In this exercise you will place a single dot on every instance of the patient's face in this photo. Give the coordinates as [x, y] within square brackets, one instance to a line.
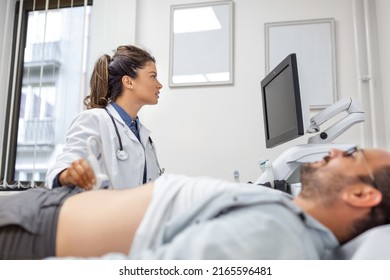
[325, 179]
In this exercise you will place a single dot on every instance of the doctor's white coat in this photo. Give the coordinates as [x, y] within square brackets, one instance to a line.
[122, 173]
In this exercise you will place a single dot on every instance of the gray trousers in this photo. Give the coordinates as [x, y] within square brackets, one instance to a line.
[28, 222]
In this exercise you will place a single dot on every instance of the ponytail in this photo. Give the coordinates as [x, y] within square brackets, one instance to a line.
[99, 95]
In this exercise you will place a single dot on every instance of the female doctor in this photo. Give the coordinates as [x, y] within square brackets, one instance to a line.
[120, 86]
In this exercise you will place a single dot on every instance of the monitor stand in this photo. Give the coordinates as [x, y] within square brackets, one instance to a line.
[291, 159]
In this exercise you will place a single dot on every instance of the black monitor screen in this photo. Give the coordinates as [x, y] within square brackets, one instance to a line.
[282, 109]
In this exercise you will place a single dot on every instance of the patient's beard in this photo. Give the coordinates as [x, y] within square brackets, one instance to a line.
[309, 181]
[319, 185]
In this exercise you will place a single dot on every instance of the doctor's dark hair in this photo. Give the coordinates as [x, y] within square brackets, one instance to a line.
[106, 78]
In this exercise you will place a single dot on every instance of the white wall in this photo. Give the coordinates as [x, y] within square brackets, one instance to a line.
[215, 130]
[382, 11]
[112, 24]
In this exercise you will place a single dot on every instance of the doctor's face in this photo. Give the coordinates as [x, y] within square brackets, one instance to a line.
[146, 86]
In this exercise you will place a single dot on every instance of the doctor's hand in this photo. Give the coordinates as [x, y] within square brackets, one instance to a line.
[80, 173]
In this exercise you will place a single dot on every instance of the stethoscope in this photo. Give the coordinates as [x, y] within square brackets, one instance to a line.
[122, 154]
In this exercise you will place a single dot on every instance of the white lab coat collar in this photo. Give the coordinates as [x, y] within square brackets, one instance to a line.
[144, 133]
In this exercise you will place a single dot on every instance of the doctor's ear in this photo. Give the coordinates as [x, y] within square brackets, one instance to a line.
[127, 82]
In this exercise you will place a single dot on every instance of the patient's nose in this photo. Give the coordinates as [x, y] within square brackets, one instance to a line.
[335, 153]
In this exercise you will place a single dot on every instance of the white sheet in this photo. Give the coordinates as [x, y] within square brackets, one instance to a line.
[374, 244]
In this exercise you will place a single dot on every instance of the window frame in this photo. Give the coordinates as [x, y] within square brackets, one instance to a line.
[11, 122]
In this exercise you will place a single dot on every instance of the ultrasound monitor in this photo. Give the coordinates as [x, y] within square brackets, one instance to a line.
[282, 107]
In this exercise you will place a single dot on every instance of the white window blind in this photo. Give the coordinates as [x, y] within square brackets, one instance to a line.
[47, 86]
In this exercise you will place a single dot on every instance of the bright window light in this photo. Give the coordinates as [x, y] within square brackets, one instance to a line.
[183, 79]
[195, 20]
[201, 78]
[218, 77]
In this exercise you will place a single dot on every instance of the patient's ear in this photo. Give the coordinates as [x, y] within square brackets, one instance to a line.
[362, 195]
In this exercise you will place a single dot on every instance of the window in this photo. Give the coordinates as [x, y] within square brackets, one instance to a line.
[46, 87]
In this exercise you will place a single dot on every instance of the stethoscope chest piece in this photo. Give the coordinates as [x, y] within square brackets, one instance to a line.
[122, 154]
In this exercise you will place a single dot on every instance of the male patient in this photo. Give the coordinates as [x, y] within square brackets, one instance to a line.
[178, 217]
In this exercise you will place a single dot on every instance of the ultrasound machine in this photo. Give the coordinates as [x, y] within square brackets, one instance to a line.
[286, 117]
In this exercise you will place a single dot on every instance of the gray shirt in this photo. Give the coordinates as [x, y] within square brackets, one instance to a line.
[237, 222]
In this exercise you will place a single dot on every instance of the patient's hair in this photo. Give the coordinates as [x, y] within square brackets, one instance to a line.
[380, 214]
[106, 78]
